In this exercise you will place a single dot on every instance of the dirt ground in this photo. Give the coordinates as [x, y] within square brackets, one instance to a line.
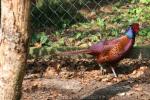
[46, 82]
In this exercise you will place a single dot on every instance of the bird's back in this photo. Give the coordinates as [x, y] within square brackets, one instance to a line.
[117, 52]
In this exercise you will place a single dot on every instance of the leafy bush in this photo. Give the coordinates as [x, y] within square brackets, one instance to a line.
[40, 38]
[145, 32]
[145, 1]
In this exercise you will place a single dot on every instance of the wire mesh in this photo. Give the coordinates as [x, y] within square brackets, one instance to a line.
[63, 13]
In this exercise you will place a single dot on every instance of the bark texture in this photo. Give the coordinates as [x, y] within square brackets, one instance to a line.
[13, 47]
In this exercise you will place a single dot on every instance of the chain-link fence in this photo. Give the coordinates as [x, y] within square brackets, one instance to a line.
[63, 13]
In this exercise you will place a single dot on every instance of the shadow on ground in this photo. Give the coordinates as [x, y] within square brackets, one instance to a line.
[122, 87]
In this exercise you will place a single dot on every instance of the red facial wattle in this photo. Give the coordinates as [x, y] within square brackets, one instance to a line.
[135, 27]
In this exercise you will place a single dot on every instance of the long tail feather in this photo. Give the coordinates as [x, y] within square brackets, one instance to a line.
[84, 51]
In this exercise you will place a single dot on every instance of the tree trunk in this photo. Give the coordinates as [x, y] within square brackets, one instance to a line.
[13, 47]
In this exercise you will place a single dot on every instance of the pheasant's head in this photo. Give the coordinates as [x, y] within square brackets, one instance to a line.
[135, 27]
[132, 30]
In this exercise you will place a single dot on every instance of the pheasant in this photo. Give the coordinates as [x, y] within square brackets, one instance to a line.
[111, 51]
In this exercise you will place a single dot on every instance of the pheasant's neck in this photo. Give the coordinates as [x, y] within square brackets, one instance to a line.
[130, 43]
[130, 34]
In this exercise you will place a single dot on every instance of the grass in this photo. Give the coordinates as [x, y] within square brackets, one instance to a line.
[109, 22]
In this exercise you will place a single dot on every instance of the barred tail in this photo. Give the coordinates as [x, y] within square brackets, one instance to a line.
[84, 51]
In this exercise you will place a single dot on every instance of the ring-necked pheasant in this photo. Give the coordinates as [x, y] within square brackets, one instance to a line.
[111, 51]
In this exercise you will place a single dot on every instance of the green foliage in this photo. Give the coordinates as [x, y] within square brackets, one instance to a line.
[115, 32]
[116, 19]
[134, 1]
[94, 38]
[61, 41]
[145, 32]
[57, 33]
[43, 38]
[78, 35]
[140, 1]
[40, 38]
[101, 23]
[145, 1]
[135, 11]
[106, 25]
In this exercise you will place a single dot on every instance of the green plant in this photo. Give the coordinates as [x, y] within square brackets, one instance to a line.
[115, 32]
[94, 38]
[135, 11]
[145, 32]
[40, 38]
[101, 23]
[145, 1]
[78, 35]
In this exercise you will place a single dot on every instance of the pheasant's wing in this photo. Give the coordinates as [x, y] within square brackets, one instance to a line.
[98, 47]
[112, 41]
[103, 45]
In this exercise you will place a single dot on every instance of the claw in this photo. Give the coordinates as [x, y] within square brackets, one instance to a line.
[113, 71]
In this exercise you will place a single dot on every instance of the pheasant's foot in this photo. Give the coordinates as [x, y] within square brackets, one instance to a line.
[113, 71]
[102, 70]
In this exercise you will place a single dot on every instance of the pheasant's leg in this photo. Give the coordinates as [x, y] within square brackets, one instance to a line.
[113, 71]
[103, 71]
